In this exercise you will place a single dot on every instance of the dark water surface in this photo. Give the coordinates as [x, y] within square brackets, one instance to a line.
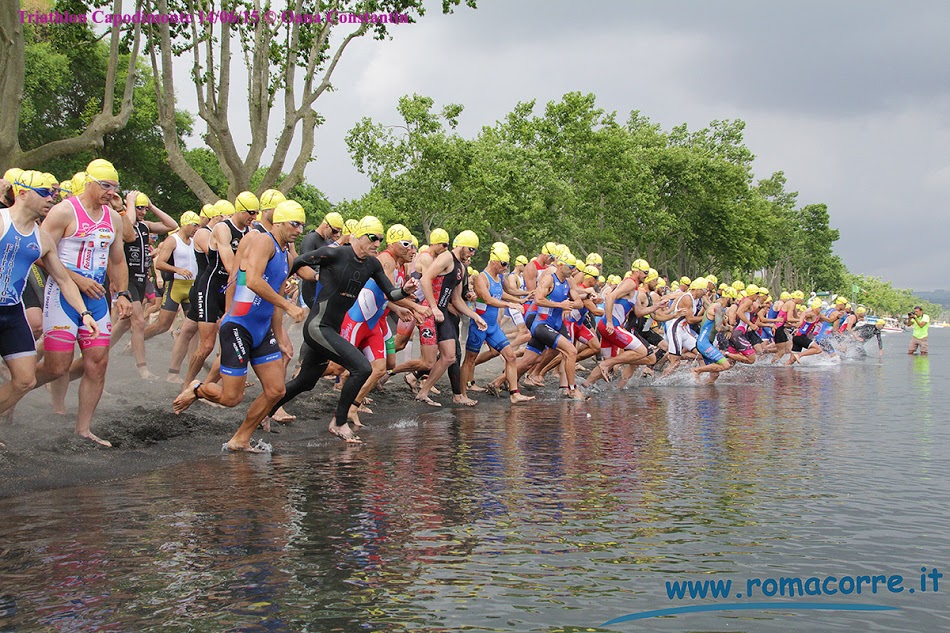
[535, 518]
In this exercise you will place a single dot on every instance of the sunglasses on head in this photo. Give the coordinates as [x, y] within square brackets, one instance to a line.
[295, 224]
[108, 186]
[43, 192]
[374, 238]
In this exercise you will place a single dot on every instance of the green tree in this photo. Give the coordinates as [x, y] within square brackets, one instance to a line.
[100, 117]
[289, 63]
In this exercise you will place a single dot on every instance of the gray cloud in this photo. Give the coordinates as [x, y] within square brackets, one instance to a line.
[850, 99]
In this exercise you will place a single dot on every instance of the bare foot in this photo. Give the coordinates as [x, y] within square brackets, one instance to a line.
[575, 394]
[476, 388]
[283, 417]
[145, 374]
[429, 401]
[344, 432]
[605, 369]
[517, 397]
[98, 440]
[241, 448]
[353, 417]
[187, 397]
[174, 378]
[468, 402]
[265, 425]
[364, 409]
[534, 382]
[413, 383]
[434, 391]
[493, 390]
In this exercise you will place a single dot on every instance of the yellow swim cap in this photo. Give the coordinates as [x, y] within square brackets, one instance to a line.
[335, 220]
[141, 200]
[651, 275]
[641, 265]
[246, 201]
[861, 310]
[349, 226]
[752, 289]
[613, 280]
[79, 183]
[738, 285]
[209, 211]
[499, 253]
[660, 283]
[12, 174]
[521, 260]
[472, 272]
[223, 207]
[712, 279]
[398, 233]
[601, 279]
[289, 211]
[815, 303]
[66, 186]
[594, 258]
[699, 283]
[549, 248]
[271, 198]
[567, 259]
[840, 300]
[785, 296]
[467, 239]
[798, 294]
[101, 169]
[415, 242]
[439, 236]
[368, 225]
[591, 271]
[34, 179]
[685, 281]
[189, 217]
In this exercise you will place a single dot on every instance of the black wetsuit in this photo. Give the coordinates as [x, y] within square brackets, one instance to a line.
[342, 276]
[449, 328]
[310, 242]
[207, 294]
[139, 260]
[865, 333]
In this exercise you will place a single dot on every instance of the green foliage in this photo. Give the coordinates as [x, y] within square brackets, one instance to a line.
[65, 70]
[883, 299]
[684, 200]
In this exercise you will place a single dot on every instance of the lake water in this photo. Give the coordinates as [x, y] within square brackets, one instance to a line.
[533, 518]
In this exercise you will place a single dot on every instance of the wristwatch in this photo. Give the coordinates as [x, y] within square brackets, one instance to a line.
[84, 313]
[126, 294]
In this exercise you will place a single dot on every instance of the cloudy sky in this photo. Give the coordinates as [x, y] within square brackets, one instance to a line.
[851, 99]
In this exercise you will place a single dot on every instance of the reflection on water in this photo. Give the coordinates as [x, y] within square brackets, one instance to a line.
[535, 518]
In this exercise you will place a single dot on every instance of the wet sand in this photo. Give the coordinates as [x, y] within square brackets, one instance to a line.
[42, 451]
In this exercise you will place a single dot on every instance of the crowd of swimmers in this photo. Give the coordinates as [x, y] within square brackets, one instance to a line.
[81, 265]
